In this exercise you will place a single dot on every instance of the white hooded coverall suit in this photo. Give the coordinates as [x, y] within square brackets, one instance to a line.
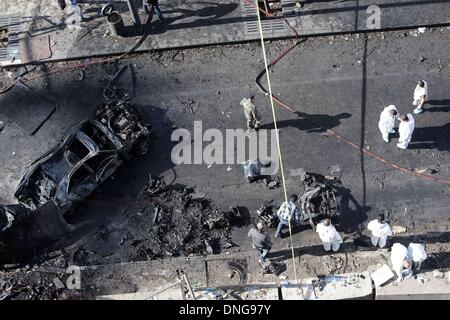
[329, 236]
[387, 122]
[380, 232]
[405, 130]
[414, 253]
[419, 92]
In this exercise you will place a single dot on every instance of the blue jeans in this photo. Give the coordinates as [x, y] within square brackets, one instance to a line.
[280, 226]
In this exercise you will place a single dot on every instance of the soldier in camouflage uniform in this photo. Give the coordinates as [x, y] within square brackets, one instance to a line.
[253, 120]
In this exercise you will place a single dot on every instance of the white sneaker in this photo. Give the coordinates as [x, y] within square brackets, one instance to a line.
[386, 140]
[418, 111]
[401, 146]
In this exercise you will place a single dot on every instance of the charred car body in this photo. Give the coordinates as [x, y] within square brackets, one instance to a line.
[87, 155]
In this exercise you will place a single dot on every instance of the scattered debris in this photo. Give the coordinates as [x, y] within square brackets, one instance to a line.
[185, 223]
[336, 67]
[334, 264]
[429, 170]
[81, 75]
[267, 214]
[422, 30]
[58, 283]
[422, 278]
[155, 215]
[271, 183]
[273, 267]
[438, 274]
[188, 105]
[335, 169]
[398, 229]
[318, 198]
[283, 277]
[112, 92]
[154, 186]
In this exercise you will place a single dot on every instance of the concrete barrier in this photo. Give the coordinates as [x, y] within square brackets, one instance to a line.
[337, 287]
[414, 289]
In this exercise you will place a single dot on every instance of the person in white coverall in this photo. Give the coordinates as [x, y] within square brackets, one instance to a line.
[331, 239]
[407, 260]
[420, 96]
[380, 231]
[417, 254]
[387, 121]
[405, 130]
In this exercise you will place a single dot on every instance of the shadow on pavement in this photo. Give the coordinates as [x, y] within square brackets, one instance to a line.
[431, 138]
[363, 244]
[322, 122]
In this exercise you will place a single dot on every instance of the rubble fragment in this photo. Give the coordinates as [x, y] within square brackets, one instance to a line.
[438, 274]
[398, 229]
[154, 186]
[430, 170]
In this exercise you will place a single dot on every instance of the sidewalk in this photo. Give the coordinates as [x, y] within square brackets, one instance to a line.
[320, 275]
[48, 34]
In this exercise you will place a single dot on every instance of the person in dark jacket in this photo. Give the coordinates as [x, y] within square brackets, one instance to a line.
[151, 7]
[260, 240]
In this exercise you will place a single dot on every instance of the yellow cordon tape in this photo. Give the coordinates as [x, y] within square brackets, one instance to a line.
[276, 133]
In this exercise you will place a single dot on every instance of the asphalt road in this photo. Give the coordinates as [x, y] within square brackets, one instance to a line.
[342, 82]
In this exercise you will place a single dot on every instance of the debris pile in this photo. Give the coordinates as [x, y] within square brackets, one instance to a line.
[182, 223]
[21, 288]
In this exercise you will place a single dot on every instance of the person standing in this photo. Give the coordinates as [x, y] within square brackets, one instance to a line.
[260, 241]
[287, 213]
[387, 121]
[420, 96]
[405, 130]
[331, 239]
[151, 7]
[380, 231]
[76, 8]
[250, 112]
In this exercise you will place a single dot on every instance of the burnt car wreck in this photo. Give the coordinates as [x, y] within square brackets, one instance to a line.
[88, 154]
